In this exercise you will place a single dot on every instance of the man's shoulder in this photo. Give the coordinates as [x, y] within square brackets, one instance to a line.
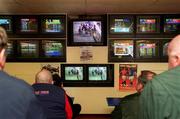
[13, 82]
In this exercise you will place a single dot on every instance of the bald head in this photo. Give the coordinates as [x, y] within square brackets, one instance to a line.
[174, 52]
[44, 76]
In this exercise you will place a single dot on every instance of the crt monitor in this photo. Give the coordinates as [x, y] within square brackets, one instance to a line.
[172, 25]
[148, 24]
[28, 25]
[121, 49]
[6, 23]
[53, 24]
[120, 24]
[53, 48]
[28, 49]
[97, 73]
[73, 73]
[87, 33]
[147, 48]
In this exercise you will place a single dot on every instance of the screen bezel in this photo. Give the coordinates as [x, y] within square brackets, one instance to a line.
[157, 23]
[103, 33]
[163, 41]
[20, 57]
[112, 17]
[174, 16]
[73, 83]
[57, 34]
[53, 59]
[114, 58]
[148, 58]
[11, 19]
[18, 22]
[101, 83]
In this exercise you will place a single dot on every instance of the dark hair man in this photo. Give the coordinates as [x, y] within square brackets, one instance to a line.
[17, 98]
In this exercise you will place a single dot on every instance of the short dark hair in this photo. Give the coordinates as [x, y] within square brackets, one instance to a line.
[58, 81]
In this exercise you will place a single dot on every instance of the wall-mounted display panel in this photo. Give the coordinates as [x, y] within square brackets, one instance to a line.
[147, 24]
[147, 49]
[120, 50]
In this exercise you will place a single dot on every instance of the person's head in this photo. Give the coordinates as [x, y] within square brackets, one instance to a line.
[3, 45]
[174, 52]
[58, 81]
[145, 76]
[44, 76]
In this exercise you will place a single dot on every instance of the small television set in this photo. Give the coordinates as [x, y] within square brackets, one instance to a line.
[100, 75]
[54, 50]
[164, 49]
[73, 74]
[121, 50]
[87, 32]
[28, 49]
[121, 24]
[53, 24]
[10, 50]
[148, 24]
[6, 23]
[172, 25]
[148, 48]
[27, 25]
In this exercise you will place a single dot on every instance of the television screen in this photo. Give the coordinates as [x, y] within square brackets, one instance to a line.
[53, 48]
[74, 73]
[9, 49]
[147, 48]
[120, 50]
[149, 24]
[121, 24]
[6, 23]
[87, 31]
[28, 25]
[53, 25]
[171, 25]
[98, 73]
[123, 48]
[28, 49]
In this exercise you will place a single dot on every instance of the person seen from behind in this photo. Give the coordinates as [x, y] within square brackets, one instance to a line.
[52, 98]
[17, 98]
[128, 106]
[161, 97]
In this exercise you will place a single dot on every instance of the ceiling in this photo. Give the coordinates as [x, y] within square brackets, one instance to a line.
[91, 7]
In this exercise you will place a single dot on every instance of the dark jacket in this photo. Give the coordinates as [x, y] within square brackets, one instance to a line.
[127, 108]
[17, 100]
[52, 99]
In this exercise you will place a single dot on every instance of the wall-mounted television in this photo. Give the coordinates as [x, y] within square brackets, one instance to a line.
[6, 23]
[87, 32]
[28, 49]
[27, 24]
[53, 24]
[120, 50]
[10, 51]
[147, 49]
[73, 74]
[164, 48]
[120, 24]
[148, 24]
[171, 24]
[100, 75]
[54, 50]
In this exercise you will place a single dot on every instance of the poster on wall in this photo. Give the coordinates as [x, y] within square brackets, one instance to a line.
[127, 76]
[86, 53]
